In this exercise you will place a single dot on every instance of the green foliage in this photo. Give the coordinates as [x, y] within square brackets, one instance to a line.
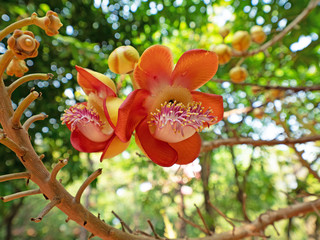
[133, 186]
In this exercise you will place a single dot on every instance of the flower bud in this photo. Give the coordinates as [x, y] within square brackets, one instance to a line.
[50, 23]
[224, 31]
[257, 34]
[238, 74]
[258, 113]
[224, 53]
[123, 59]
[17, 67]
[23, 44]
[241, 41]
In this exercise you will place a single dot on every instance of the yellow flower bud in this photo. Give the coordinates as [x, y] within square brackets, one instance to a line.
[17, 67]
[258, 113]
[123, 59]
[224, 53]
[23, 44]
[257, 34]
[50, 23]
[241, 41]
[238, 74]
[224, 31]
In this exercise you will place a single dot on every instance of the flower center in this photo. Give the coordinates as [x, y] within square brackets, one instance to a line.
[87, 121]
[175, 122]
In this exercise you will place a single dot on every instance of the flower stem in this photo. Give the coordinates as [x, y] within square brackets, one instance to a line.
[14, 176]
[5, 60]
[17, 25]
[27, 78]
[57, 168]
[32, 119]
[11, 144]
[22, 107]
[20, 195]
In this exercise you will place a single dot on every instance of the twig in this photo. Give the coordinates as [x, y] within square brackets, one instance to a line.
[209, 145]
[223, 215]
[86, 183]
[312, 4]
[122, 222]
[13, 176]
[306, 164]
[20, 195]
[27, 78]
[203, 221]
[47, 209]
[11, 144]
[32, 119]
[244, 208]
[22, 107]
[192, 224]
[57, 168]
[268, 87]
[153, 230]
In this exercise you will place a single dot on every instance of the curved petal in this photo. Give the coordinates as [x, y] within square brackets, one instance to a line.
[194, 68]
[188, 150]
[130, 113]
[154, 68]
[83, 144]
[111, 106]
[114, 147]
[95, 82]
[212, 101]
[158, 151]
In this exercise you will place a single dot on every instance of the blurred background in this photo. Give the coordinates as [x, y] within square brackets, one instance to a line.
[257, 177]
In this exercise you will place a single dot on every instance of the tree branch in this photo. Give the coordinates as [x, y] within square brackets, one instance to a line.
[13, 176]
[209, 145]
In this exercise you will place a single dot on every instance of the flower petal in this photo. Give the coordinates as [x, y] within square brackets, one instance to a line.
[212, 101]
[154, 68]
[158, 151]
[114, 147]
[83, 144]
[188, 150]
[130, 113]
[111, 106]
[194, 68]
[95, 82]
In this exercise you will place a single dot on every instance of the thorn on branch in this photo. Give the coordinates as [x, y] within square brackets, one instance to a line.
[86, 183]
[153, 230]
[46, 210]
[22, 107]
[20, 195]
[203, 221]
[11, 144]
[85, 223]
[13, 176]
[32, 119]
[274, 226]
[67, 220]
[57, 167]
[123, 224]
[91, 236]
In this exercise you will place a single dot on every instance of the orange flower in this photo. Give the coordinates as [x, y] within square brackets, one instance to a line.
[166, 112]
[88, 123]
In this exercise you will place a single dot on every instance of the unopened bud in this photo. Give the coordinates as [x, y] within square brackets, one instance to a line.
[224, 53]
[123, 59]
[241, 41]
[257, 34]
[238, 74]
[17, 67]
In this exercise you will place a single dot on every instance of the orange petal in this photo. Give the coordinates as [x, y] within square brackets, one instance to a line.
[158, 151]
[83, 144]
[114, 147]
[212, 101]
[154, 68]
[131, 112]
[188, 150]
[95, 82]
[194, 68]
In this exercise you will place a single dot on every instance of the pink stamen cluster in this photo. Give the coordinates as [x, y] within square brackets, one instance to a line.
[80, 114]
[179, 116]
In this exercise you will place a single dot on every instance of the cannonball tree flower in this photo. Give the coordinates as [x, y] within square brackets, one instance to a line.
[165, 111]
[88, 123]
